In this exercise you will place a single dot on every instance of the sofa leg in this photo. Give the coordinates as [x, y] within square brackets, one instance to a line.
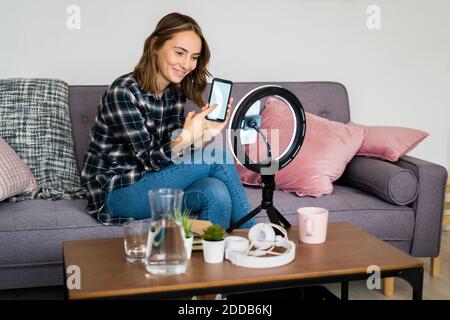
[435, 268]
[389, 286]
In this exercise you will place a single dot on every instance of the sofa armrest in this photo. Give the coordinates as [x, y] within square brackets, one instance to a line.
[429, 205]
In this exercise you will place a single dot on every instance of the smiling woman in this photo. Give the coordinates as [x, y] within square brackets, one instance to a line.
[141, 127]
[174, 60]
[175, 52]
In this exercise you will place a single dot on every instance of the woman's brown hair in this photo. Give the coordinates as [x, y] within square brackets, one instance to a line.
[193, 83]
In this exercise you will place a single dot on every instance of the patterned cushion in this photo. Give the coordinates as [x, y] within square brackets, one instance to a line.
[35, 122]
[15, 176]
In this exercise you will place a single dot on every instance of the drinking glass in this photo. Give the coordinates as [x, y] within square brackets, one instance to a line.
[135, 240]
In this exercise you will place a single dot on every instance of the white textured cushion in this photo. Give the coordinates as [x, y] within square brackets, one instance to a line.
[15, 176]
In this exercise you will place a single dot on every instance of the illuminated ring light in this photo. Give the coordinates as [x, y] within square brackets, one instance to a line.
[237, 119]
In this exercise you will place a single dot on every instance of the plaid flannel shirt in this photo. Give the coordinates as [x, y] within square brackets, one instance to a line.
[131, 135]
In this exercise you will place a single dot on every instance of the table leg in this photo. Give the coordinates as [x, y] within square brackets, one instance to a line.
[415, 278]
[344, 290]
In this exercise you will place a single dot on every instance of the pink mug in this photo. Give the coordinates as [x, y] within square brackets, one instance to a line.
[312, 224]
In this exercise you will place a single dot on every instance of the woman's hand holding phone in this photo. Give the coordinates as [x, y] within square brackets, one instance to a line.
[197, 129]
[194, 127]
[213, 128]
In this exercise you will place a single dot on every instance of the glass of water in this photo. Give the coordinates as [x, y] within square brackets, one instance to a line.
[135, 240]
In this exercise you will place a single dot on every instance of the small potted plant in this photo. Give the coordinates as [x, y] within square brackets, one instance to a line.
[183, 219]
[213, 244]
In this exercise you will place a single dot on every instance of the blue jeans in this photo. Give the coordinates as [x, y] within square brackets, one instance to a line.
[211, 188]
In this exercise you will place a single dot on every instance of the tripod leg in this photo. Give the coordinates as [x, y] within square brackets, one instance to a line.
[272, 213]
[274, 217]
[244, 219]
[283, 220]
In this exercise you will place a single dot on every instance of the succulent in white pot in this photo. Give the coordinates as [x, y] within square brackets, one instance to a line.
[213, 243]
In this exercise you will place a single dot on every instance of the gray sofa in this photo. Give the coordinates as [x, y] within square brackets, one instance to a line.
[32, 232]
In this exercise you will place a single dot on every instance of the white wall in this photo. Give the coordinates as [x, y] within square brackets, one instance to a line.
[398, 75]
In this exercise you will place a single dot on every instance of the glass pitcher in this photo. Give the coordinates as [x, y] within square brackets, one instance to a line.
[166, 253]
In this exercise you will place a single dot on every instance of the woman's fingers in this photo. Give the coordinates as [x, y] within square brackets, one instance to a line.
[208, 110]
[190, 115]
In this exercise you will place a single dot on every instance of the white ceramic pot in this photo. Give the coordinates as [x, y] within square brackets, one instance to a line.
[188, 246]
[213, 251]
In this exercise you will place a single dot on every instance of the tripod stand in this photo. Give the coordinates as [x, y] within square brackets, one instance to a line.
[268, 183]
[240, 120]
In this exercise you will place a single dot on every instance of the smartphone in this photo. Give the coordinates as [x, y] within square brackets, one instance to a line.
[220, 94]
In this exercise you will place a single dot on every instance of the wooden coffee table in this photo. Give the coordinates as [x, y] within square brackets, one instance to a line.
[344, 257]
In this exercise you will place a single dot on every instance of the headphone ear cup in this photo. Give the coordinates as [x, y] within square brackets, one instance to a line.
[262, 236]
[252, 233]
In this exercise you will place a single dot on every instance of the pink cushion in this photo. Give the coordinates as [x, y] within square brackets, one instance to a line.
[15, 176]
[326, 150]
[389, 143]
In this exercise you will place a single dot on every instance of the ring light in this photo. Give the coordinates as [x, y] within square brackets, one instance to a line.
[268, 167]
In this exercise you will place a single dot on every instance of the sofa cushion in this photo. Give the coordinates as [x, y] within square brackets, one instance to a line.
[15, 176]
[389, 143]
[35, 121]
[33, 231]
[381, 219]
[384, 179]
[327, 148]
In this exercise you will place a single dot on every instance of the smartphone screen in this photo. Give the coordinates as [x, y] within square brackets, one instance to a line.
[220, 95]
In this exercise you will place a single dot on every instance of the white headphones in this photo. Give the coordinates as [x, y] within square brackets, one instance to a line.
[262, 237]
[257, 252]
